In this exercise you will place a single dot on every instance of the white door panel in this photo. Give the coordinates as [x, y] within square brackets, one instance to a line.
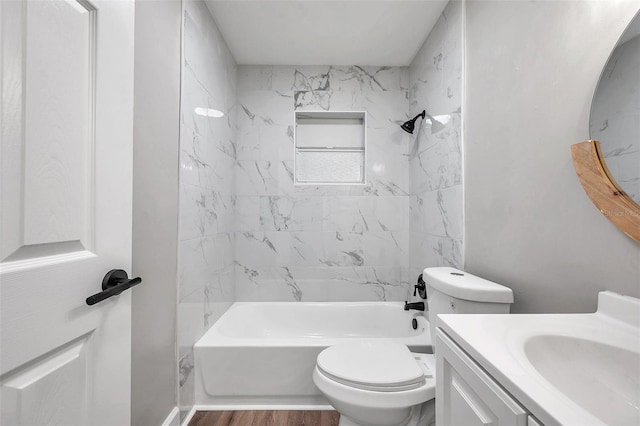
[67, 111]
[60, 379]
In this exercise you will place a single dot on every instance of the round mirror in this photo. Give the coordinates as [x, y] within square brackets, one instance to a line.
[615, 112]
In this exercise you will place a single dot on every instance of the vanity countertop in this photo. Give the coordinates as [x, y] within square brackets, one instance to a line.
[565, 369]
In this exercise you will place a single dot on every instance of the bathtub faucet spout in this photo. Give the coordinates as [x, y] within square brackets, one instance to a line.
[418, 306]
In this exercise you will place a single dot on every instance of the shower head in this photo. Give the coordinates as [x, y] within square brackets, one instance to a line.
[436, 126]
[408, 126]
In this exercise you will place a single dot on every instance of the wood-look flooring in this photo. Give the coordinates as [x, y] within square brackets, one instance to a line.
[265, 418]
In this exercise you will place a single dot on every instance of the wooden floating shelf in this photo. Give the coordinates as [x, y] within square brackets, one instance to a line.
[603, 189]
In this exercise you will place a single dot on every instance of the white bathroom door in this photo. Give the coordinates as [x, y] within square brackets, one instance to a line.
[66, 187]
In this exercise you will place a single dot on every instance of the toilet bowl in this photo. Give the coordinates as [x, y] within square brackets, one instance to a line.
[377, 383]
[380, 382]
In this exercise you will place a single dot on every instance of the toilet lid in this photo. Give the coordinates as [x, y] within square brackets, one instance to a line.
[371, 364]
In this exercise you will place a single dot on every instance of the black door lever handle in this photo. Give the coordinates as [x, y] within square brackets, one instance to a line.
[115, 282]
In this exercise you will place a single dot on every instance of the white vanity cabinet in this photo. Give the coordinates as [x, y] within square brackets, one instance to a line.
[466, 395]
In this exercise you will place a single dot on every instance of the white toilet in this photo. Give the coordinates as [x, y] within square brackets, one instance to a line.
[379, 382]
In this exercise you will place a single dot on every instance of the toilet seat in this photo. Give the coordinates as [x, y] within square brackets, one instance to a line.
[377, 382]
[373, 365]
[374, 388]
[398, 381]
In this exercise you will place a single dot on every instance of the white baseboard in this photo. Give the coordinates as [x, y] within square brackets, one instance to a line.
[187, 419]
[173, 419]
[252, 407]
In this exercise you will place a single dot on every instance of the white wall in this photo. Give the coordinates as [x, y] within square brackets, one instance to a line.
[531, 71]
[155, 210]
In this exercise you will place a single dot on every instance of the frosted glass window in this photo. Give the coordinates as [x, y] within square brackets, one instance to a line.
[329, 167]
[330, 147]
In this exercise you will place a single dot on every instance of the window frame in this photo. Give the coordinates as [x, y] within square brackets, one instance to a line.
[322, 114]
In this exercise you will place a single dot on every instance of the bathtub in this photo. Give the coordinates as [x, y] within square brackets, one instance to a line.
[262, 354]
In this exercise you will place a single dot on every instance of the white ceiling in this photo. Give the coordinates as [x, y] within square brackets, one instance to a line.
[325, 32]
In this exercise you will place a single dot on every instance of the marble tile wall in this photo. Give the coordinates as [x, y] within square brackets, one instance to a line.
[207, 188]
[247, 233]
[321, 243]
[435, 162]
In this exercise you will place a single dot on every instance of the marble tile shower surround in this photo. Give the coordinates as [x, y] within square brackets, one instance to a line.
[435, 161]
[247, 233]
[325, 242]
[206, 282]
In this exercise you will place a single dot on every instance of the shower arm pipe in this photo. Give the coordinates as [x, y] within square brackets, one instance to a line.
[423, 114]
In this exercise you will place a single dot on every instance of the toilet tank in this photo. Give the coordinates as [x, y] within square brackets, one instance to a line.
[451, 291]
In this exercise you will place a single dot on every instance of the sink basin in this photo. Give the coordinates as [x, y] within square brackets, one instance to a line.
[602, 379]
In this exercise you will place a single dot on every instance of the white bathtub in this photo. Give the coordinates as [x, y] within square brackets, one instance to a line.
[263, 354]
